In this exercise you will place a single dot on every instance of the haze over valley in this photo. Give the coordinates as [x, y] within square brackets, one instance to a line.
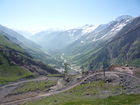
[69, 53]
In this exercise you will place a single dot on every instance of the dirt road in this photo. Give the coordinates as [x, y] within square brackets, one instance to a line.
[23, 81]
[17, 102]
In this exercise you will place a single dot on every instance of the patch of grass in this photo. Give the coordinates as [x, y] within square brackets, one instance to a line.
[112, 100]
[86, 94]
[9, 73]
[13, 73]
[93, 88]
[135, 62]
[55, 75]
[34, 86]
[63, 99]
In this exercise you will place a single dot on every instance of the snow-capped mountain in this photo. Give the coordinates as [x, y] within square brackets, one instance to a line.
[81, 36]
[114, 43]
[123, 17]
[87, 44]
[105, 31]
[61, 38]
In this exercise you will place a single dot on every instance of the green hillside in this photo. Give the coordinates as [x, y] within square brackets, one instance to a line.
[33, 49]
[89, 94]
[16, 64]
[121, 49]
[10, 72]
[5, 42]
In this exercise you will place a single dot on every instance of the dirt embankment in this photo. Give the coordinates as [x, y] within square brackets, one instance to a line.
[125, 69]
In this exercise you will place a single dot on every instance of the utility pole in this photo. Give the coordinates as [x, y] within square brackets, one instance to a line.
[91, 66]
[82, 69]
[105, 66]
[104, 73]
[66, 68]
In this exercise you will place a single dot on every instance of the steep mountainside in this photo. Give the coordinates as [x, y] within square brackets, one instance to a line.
[31, 48]
[16, 63]
[123, 48]
[56, 40]
[116, 42]
[97, 37]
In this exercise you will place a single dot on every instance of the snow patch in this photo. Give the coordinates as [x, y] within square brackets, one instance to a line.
[89, 29]
[82, 41]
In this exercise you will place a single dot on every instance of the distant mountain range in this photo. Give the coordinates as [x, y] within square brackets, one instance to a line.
[82, 35]
[116, 42]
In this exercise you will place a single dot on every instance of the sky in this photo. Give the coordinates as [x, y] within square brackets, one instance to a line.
[36, 15]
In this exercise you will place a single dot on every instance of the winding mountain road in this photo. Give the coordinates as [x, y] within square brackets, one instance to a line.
[23, 81]
[41, 95]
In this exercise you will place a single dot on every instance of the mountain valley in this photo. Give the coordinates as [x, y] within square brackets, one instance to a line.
[88, 45]
[88, 65]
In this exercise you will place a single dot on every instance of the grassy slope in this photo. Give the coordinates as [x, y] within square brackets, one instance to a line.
[11, 73]
[4, 42]
[127, 54]
[35, 86]
[88, 94]
[124, 48]
[114, 100]
[7, 72]
[84, 57]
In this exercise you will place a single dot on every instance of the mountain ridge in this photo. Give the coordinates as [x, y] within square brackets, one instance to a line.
[16, 63]
[81, 50]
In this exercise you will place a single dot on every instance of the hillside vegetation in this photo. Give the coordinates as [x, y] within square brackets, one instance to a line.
[16, 64]
[89, 94]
